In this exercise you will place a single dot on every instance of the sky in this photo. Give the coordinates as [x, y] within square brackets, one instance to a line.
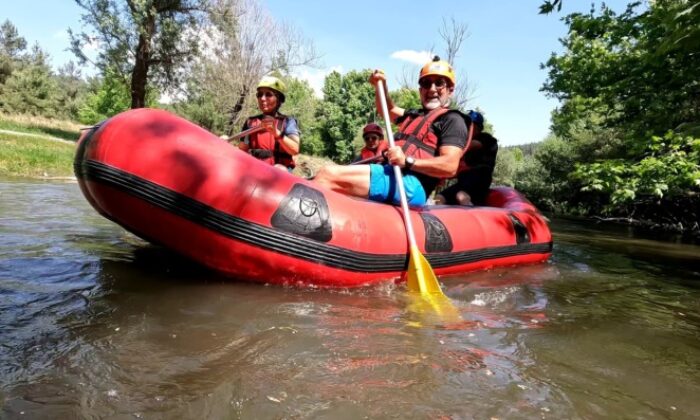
[500, 58]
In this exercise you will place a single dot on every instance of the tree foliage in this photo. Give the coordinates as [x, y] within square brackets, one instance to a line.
[620, 68]
[30, 90]
[348, 105]
[669, 167]
[108, 96]
[549, 5]
[12, 47]
[31, 87]
[142, 40]
[242, 44]
[301, 102]
[629, 117]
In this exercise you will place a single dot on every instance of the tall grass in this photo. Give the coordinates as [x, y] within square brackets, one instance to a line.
[63, 129]
[23, 156]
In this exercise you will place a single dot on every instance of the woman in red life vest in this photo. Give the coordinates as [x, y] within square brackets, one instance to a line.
[279, 140]
[374, 143]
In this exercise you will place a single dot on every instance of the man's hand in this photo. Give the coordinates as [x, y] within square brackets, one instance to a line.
[395, 156]
[376, 76]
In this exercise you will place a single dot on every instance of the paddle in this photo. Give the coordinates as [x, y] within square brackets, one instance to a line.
[368, 160]
[246, 132]
[421, 277]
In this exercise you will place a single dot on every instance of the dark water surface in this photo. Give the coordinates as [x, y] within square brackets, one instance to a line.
[95, 323]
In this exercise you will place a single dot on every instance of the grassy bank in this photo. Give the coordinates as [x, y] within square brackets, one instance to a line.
[34, 157]
[36, 147]
[62, 129]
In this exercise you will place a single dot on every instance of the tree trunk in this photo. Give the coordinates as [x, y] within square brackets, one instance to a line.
[139, 76]
[236, 110]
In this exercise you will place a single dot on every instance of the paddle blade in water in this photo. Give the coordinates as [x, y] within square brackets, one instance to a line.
[421, 277]
[433, 308]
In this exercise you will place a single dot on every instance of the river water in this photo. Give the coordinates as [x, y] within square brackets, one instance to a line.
[95, 323]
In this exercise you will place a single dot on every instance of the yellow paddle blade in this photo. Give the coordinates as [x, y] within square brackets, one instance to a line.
[434, 308]
[423, 282]
[421, 277]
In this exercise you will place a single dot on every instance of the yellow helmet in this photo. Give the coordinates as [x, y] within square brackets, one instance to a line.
[275, 84]
[438, 67]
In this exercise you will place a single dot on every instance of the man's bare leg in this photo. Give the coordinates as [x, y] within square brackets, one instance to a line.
[350, 180]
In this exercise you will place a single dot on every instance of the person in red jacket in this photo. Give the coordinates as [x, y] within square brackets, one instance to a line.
[375, 144]
[279, 141]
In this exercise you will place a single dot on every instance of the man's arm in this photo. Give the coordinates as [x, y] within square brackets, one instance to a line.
[453, 133]
[394, 111]
[442, 166]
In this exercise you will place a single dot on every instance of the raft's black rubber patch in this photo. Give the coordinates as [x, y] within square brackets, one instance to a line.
[304, 212]
[522, 235]
[437, 237]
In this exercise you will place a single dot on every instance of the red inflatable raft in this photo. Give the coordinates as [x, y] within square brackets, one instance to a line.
[175, 184]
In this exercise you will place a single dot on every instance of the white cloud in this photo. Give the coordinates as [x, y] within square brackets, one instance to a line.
[415, 57]
[316, 77]
[62, 34]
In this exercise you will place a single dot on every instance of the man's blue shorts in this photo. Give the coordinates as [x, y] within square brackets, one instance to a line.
[382, 185]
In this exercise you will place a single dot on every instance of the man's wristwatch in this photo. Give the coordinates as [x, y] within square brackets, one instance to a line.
[410, 161]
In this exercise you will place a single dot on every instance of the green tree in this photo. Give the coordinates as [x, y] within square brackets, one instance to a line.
[406, 98]
[11, 44]
[622, 68]
[109, 95]
[72, 90]
[12, 47]
[549, 5]
[507, 163]
[629, 119]
[302, 104]
[32, 88]
[671, 167]
[348, 104]
[201, 107]
[142, 40]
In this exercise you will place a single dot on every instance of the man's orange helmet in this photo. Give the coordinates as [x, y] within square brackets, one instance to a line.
[438, 67]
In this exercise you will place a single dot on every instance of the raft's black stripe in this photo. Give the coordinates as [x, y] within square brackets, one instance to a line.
[276, 240]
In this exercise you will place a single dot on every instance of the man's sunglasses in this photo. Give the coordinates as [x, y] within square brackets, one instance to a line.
[265, 94]
[372, 137]
[427, 83]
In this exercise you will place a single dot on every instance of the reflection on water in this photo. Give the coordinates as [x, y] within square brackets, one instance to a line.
[96, 323]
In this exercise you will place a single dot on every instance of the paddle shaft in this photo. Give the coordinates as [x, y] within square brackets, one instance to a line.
[246, 132]
[420, 276]
[368, 160]
[397, 171]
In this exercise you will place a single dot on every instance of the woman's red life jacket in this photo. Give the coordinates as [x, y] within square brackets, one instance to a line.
[263, 144]
[366, 153]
